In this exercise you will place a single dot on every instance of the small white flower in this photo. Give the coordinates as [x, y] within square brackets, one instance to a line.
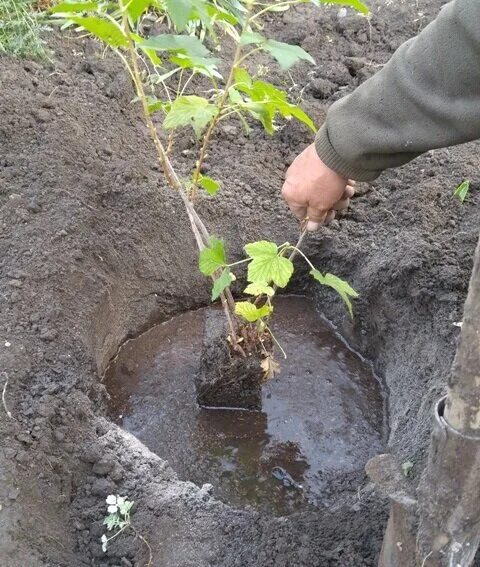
[112, 509]
[7, 344]
[111, 499]
[120, 500]
[103, 539]
[104, 547]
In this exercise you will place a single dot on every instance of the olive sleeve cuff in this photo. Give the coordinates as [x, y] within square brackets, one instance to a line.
[333, 160]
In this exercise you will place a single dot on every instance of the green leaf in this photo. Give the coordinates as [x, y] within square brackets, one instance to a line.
[286, 54]
[155, 104]
[183, 11]
[242, 77]
[266, 101]
[205, 65]
[235, 96]
[210, 185]
[257, 289]
[248, 37]
[261, 248]
[135, 8]
[187, 44]
[103, 29]
[251, 312]
[342, 287]
[190, 110]
[407, 467]
[212, 258]
[111, 521]
[356, 4]
[73, 7]
[180, 11]
[267, 264]
[462, 190]
[221, 283]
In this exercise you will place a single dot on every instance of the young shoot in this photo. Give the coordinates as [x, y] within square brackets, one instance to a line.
[118, 520]
[178, 85]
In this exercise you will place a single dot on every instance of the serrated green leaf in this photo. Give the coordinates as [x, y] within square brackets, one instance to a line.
[257, 289]
[102, 29]
[188, 44]
[267, 264]
[210, 185]
[221, 283]
[286, 54]
[242, 77]
[152, 55]
[204, 65]
[266, 101]
[235, 96]
[73, 7]
[462, 190]
[180, 12]
[261, 248]
[407, 467]
[302, 116]
[155, 104]
[136, 8]
[251, 312]
[212, 258]
[342, 287]
[220, 14]
[190, 110]
[111, 521]
[278, 270]
[249, 37]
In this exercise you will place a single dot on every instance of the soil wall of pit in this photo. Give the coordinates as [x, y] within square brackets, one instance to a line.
[93, 249]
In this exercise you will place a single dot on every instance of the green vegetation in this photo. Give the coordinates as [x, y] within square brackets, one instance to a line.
[118, 520]
[163, 69]
[462, 190]
[20, 28]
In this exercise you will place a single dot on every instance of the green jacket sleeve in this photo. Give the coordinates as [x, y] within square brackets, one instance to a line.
[427, 96]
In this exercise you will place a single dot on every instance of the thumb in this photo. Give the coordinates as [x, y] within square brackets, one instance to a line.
[316, 217]
[313, 225]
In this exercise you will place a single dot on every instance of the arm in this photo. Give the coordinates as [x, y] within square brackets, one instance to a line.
[427, 96]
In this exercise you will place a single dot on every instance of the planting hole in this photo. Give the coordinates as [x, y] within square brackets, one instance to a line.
[322, 416]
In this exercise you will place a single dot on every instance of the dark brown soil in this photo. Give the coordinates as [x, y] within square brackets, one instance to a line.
[225, 379]
[94, 249]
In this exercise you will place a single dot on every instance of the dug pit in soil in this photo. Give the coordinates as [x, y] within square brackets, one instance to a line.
[322, 417]
[224, 379]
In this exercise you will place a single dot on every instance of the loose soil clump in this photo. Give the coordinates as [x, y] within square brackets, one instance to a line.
[225, 378]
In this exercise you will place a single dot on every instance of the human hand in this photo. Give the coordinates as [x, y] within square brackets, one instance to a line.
[315, 192]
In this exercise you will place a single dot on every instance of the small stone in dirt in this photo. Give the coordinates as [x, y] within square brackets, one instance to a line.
[354, 64]
[322, 88]
[13, 493]
[48, 334]
[103, 466]
[42, 115]
[24, 438]
[102, 487]
[9, 452]
[225, 379]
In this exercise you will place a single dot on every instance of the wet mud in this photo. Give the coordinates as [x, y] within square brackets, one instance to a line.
[323, 415]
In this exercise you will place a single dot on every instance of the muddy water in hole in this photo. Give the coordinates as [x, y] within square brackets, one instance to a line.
[322, 418]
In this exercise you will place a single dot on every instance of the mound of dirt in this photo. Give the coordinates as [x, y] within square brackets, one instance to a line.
[94, 249]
